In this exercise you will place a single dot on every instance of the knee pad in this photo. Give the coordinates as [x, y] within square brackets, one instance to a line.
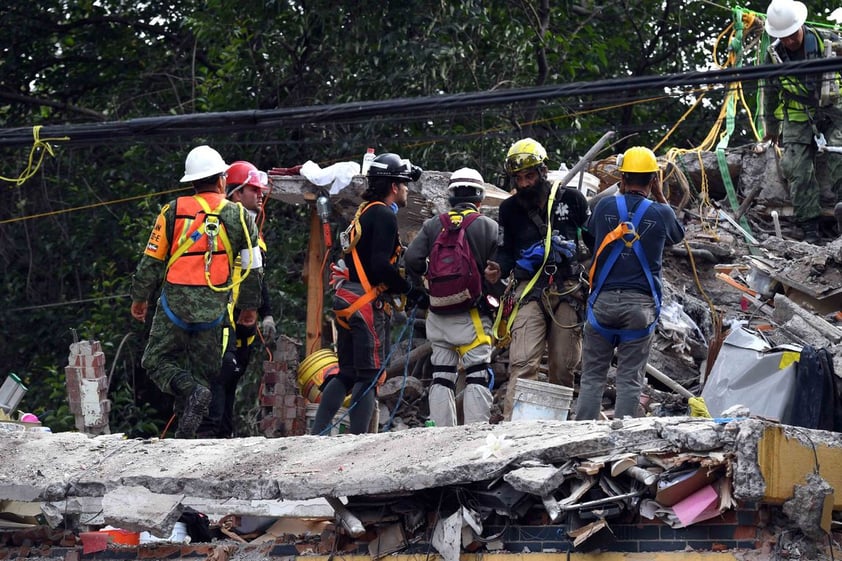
[477, 374]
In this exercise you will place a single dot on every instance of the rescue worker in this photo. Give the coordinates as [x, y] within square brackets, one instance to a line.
[245, 185]
[360, 303]
[548, 295]
[630, 232]
[192, 249]
[801, 110]
[464, 335]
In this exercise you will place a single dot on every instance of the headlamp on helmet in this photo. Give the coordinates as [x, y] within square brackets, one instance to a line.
[392, 166]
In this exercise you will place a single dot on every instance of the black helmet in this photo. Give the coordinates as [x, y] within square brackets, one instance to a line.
[392, 166]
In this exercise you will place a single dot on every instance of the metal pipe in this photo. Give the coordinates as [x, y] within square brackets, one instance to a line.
[672, 384]
[606, 500]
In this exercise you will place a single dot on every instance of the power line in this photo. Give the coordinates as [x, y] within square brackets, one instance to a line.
[218, 122]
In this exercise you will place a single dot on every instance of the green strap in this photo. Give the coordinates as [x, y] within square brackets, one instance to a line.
[730, 114]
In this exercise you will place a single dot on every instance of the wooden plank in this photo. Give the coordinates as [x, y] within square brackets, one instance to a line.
[314, 280]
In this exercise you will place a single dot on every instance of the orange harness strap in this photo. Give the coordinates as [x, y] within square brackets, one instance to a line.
[620, 231]
[371, 292]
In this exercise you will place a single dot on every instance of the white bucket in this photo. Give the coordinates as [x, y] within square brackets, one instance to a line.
[540, 401]
[178, 535]
[337, 426]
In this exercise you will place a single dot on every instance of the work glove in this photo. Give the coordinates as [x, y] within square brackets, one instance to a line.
[562, 249]
[417, 298]
[267, 327]
[531, 257]
[338, 274]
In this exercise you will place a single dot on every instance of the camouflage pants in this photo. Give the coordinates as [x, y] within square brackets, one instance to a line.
[799, 163]
[171, 350]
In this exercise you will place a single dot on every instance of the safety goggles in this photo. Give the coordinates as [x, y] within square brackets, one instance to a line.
[519, 162]
[258, 179]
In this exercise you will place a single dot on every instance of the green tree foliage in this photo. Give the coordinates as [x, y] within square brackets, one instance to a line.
[71, 235]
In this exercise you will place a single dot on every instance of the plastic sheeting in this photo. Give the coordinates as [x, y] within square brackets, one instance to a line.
[749, 372]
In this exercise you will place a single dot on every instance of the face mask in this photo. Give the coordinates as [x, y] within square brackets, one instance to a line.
[394, 207]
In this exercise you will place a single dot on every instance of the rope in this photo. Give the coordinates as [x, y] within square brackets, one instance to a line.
[410, 321]
[40, 148]
[93, 205]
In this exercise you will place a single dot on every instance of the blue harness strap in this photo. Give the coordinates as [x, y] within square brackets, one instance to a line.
[181, 324]
[617, 336]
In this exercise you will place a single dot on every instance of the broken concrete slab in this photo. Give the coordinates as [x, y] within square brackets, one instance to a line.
[53, 467]
[136, 508]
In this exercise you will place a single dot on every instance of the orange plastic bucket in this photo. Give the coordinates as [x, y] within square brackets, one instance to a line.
[123, 537]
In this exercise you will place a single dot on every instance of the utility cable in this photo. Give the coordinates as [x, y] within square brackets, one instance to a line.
[286, 118]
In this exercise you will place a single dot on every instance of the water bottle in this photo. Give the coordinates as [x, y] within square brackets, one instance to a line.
[367, 158]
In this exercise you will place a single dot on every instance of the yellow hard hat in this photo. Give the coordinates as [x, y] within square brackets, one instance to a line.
[524, 154]
[638, 159]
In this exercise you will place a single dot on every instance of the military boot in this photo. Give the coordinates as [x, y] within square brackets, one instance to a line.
[196, 403]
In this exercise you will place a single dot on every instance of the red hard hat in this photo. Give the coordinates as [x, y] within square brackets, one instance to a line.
[241, 173]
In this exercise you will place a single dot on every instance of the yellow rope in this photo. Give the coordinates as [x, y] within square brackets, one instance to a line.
[94, 205]
[41, 147]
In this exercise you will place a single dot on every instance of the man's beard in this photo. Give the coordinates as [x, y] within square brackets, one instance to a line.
[535, 196]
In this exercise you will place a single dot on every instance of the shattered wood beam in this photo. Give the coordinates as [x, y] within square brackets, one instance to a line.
[314, 281]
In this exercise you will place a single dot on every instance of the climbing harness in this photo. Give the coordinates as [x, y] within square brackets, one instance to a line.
[625, 235]
[370, 292]
[501, 331]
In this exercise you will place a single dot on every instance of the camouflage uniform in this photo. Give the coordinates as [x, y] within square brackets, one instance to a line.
[793, 105]
[172, 350]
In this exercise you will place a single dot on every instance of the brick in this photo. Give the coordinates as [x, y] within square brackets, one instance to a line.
[660, 545]
[717, 545]
[636, 532]
[727, 517]
[158, 551]
[745, 533]
[748, 517]
[628, 546]
[695, 532]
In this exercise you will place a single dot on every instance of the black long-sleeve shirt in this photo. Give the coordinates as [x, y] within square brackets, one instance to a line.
[377, 247]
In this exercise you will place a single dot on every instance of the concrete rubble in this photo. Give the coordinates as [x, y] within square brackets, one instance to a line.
[732, 300]
[563, 473]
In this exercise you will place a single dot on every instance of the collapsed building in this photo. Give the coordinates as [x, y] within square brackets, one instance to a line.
[742, 303]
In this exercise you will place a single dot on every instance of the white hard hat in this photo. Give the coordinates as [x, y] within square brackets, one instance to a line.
[785, 17]
[202, 161]
[467, 177]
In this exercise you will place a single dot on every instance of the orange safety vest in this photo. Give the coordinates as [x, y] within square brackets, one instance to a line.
[200, 240]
